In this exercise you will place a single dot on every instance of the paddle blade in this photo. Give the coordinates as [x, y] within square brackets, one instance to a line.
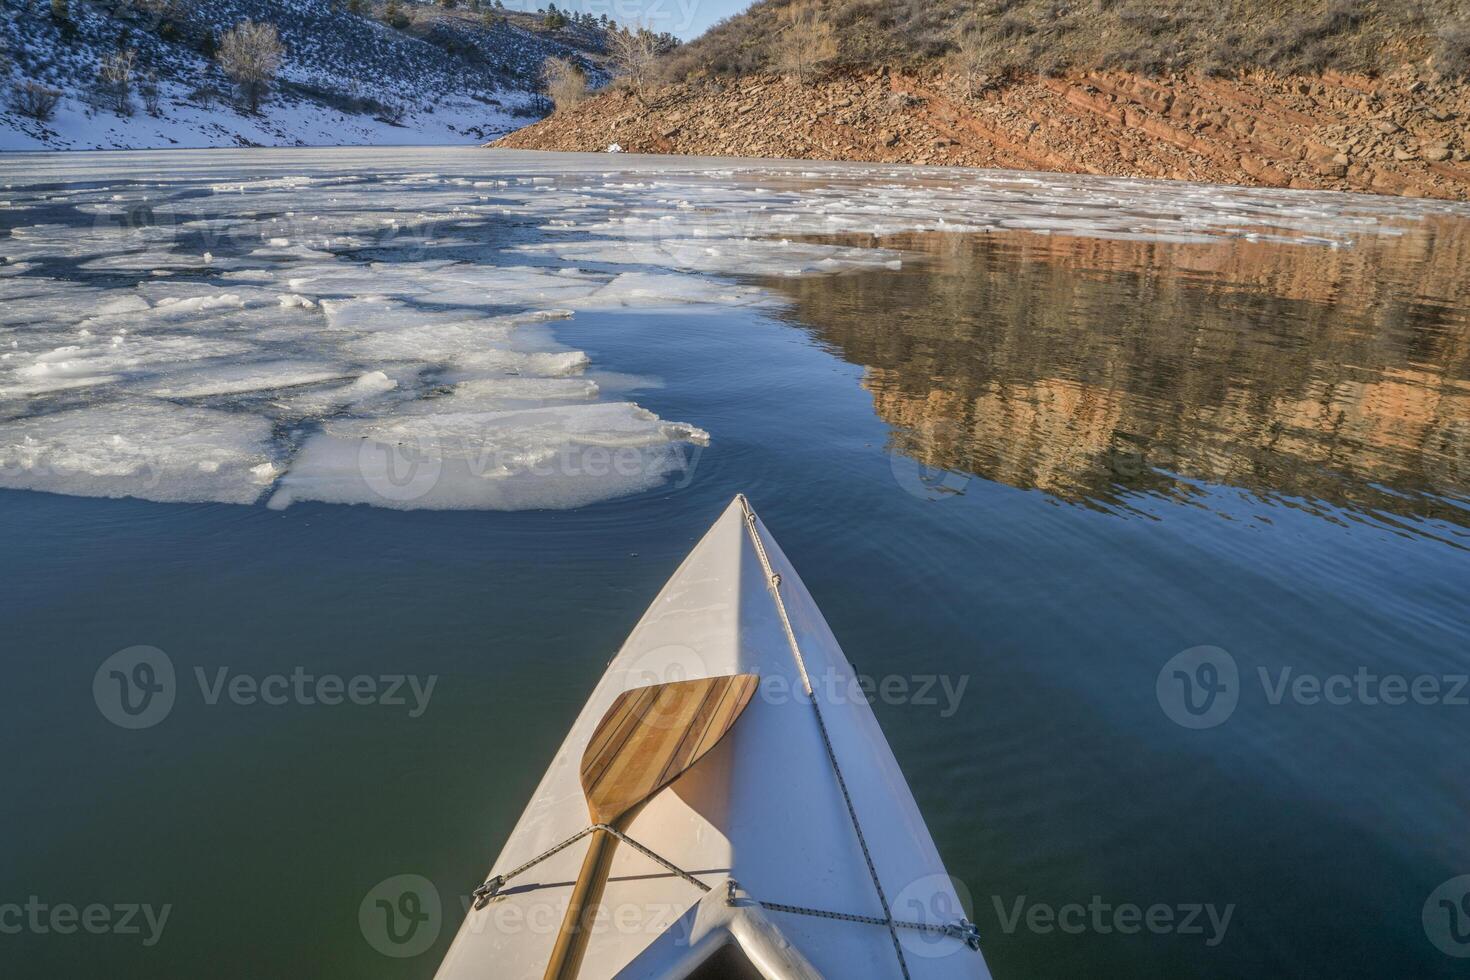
[652, 735]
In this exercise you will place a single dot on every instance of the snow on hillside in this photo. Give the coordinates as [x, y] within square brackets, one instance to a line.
[346, 78]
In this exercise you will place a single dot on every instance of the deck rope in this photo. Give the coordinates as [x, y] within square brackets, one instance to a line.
[773, 579]
[491, 888]
[493, 885]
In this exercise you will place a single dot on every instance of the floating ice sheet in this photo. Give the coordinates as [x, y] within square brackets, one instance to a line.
[559, 457]
[235, 379]
[300, 323]
[152, 450]
[721, 255]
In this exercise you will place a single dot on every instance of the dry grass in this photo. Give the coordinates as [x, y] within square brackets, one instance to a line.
[1452, 54]
[1009, 36]
[805, 42]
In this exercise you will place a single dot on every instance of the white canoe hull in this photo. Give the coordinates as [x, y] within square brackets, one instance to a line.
[763, 808]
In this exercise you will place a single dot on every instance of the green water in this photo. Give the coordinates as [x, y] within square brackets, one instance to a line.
[1043, 465]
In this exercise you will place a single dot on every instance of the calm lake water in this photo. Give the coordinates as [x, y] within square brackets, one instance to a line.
[1050, 466]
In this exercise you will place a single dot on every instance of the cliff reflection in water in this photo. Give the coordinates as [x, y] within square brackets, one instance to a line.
[1095, 369]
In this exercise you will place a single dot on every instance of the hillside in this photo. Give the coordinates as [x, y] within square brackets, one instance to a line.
[1146, 36]
[441, 76]
[1370, 96]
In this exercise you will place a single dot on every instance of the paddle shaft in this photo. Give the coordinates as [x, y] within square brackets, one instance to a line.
[576, 925]
[648, 738]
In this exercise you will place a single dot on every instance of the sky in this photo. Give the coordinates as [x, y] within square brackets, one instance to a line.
[684, 19]
[702, 14]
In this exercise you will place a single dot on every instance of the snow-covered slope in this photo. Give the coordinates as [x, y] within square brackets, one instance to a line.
[449, 77]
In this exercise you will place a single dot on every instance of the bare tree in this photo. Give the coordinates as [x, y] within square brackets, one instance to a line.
[566, 83]
[805, 42]
[634, 52]
[115, 79]
[968, 57]
[250, 53]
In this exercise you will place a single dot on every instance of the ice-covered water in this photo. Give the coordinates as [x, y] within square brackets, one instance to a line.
[1036, 462]
[307, 325]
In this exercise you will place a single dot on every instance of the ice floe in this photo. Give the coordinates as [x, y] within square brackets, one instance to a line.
[301, 329]
[151, 450]
[564, 456]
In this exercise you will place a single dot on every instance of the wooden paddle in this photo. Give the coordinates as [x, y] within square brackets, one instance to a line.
[648, 738]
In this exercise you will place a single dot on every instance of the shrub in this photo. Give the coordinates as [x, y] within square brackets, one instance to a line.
[115, 80]
[206, 95]
[1011, 26]
[394, 16]
[535, 107]
[250, 54]
[566, 83]
[805, 42]
[35, 100]
[1452, 54]
[149, 90]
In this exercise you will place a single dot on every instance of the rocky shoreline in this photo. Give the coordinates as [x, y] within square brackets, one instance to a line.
[1405, 134]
